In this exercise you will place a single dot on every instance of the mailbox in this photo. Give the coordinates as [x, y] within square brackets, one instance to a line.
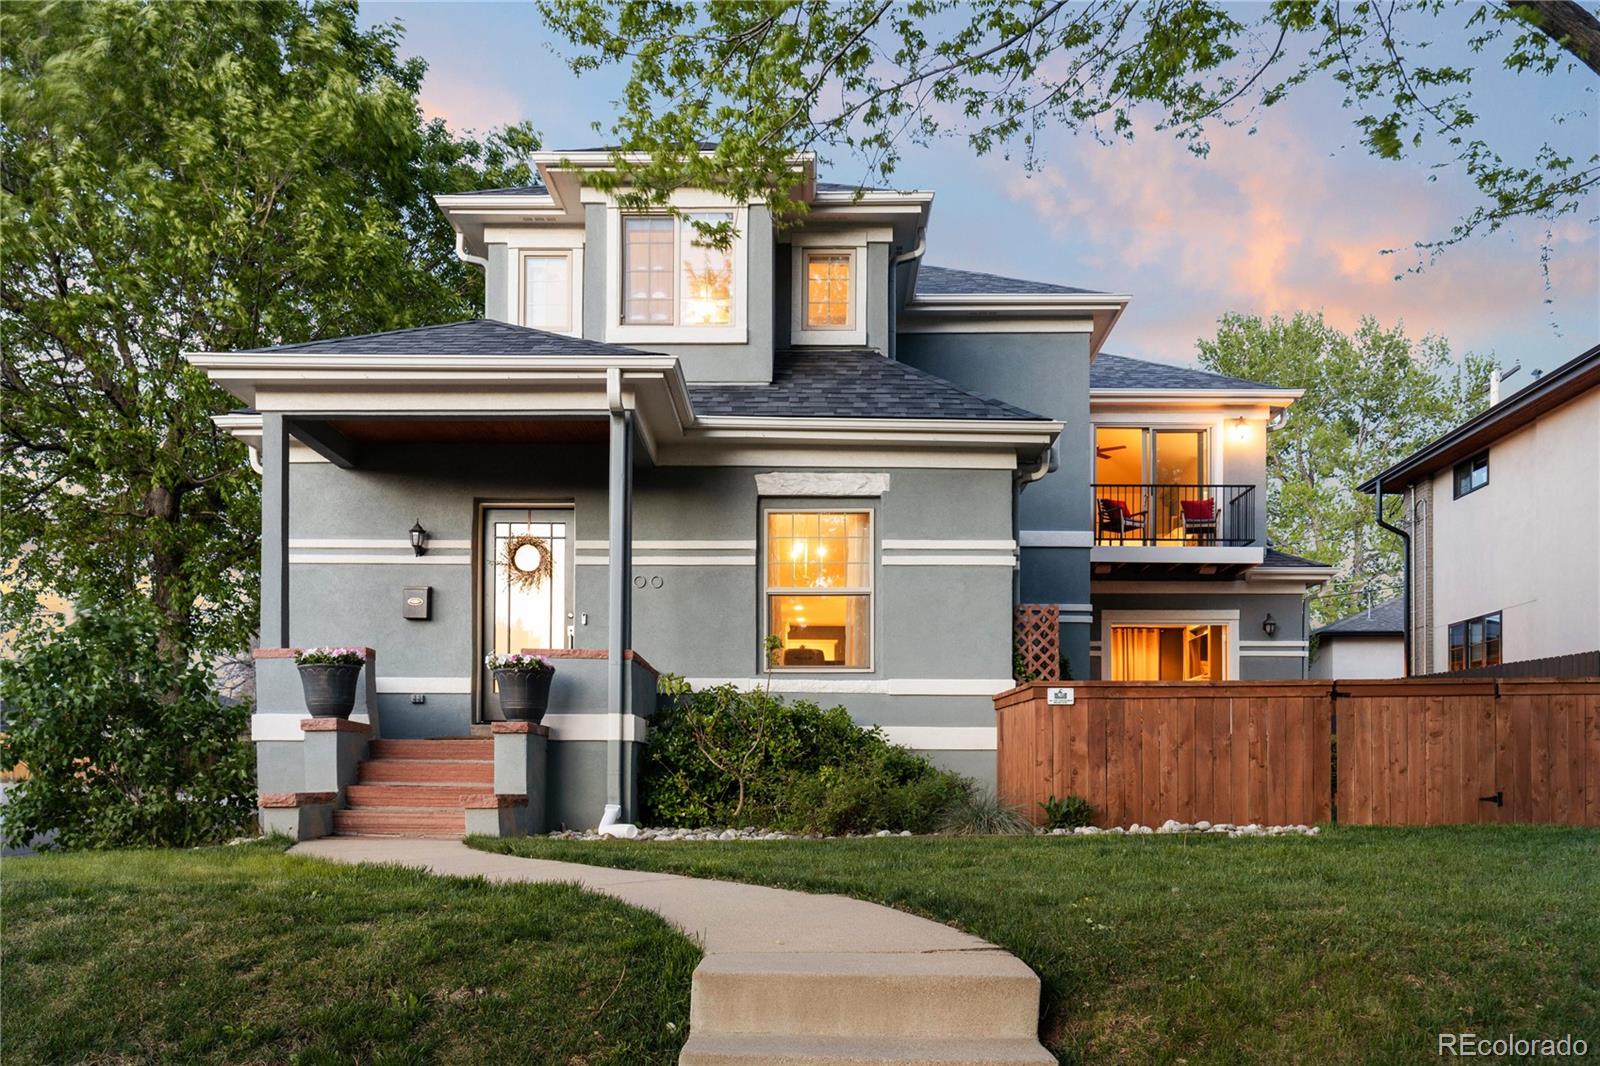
[417, 603]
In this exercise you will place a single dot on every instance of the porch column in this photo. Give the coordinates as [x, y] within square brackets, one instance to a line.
[274, 531]
[619, 587]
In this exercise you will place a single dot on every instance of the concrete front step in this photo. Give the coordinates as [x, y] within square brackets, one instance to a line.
[744, 1049]
[431, 795]
[962, 995]
[400, 822]
[426, 771]
[474, 748]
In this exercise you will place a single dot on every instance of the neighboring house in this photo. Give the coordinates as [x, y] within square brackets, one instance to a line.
[1501, 518]
[812, 435]
[1369, 643]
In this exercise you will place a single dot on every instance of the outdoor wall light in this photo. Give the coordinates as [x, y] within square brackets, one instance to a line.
[1269, 626]
[419, 539]
[1241, 429]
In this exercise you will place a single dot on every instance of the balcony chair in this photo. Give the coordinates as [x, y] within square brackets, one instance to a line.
[1116, 520]
[1199, 519]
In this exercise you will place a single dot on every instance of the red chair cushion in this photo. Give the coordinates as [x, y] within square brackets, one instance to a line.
[1199, 510]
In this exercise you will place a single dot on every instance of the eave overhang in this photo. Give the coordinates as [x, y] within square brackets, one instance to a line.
[1103, 309]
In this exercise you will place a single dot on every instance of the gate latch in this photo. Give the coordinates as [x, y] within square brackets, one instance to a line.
[1498, 799]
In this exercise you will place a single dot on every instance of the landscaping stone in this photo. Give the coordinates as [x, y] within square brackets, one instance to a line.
[667, 834]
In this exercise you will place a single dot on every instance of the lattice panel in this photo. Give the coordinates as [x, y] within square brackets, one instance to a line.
[1037, 636]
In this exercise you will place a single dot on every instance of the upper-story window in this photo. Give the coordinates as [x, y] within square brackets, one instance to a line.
[670, 277]
[1471, 474]
[547, 291]
[829, 299]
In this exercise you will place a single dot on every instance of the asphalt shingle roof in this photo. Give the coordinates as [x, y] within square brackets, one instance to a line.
[1383, 618]
[849, 384]
[1274, 557]
[478, 336]
[535, 189]
[946, 281]
[1121, 372]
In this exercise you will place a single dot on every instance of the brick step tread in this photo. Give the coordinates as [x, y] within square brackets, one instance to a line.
[401, 822]
[425, 771]
[431, 794]
[469, 748]
[932, 995]
[715, 1049]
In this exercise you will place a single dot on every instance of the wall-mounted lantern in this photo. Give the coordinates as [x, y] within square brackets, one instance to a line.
[1269, 626]
[1241, 429]
[419, 539]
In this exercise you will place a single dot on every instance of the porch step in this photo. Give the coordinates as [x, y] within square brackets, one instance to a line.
[400, 822]
[472, 748]
[414, 795]
[737, 1049]
[978, 995]
[426, 772]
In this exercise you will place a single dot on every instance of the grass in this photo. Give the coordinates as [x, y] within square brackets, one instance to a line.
[247, 955]
[1357, 946]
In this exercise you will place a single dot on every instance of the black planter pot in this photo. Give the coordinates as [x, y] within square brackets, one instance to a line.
[330, 690]
[524, 694]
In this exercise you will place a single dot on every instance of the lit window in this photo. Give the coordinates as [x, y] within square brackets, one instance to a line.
[647, 254]
[1472, 474]
[819, 588]
[1475, 642]
[1167, 653]
[547, 292]
[828, 303]
[671, 277]
[707, 274]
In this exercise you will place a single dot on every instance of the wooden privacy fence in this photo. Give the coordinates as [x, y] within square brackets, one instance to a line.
[1415, 752]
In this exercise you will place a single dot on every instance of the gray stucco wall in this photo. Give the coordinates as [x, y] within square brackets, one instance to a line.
[1047, 373]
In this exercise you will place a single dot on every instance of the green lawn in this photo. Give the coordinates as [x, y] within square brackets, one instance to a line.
[247, 955]
[1357, 946]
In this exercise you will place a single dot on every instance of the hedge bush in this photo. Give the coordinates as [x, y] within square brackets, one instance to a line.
[723, 756]
[123, 746]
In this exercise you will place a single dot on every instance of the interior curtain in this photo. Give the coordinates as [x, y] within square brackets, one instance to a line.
[1135, 653]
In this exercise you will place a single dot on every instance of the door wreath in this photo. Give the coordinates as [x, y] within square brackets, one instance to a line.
[527, 560]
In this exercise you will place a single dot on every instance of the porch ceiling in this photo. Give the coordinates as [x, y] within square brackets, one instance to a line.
[472, 431]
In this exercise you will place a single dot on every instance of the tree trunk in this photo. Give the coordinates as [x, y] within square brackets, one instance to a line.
[1567, 23]
[167, 586]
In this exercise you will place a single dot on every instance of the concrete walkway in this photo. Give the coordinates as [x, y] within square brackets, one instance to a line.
[792, 978]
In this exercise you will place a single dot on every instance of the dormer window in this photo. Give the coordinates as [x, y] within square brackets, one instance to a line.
[547, 291]
[828, 280]
[828, 298]
[670, 277]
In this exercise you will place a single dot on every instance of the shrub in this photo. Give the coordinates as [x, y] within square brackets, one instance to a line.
[722, 756]
[982, 813]
[123, 746]
[1068, 813]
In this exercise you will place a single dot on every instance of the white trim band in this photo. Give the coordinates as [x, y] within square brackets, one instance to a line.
[942, 737]
[948, 560]
[429, 685]
[890, 545]
[279, 726]
[1056, 538]
[361, 542]
[671, 560]
[323, 559]
[628, 727]
[899, 686]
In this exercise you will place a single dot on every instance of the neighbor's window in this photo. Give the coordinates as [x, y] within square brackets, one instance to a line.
[1472, 474]
[819, 587]
[670, 276]
[828, 282]
[1475, 642]
[547, 292]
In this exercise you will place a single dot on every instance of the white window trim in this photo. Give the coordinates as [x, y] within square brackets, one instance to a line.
[853, 333]
[574, 258]
[871, 591]
[735, 332]
[1226, 618]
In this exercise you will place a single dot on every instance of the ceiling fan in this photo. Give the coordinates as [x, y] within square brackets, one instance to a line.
[1104, 451]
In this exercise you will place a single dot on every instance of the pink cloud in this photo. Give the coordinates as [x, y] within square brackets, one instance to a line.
[471, 104]
[1273, 223]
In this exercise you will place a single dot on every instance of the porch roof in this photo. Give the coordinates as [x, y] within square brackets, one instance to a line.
[477, 336]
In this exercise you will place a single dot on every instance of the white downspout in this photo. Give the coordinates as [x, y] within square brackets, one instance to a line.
[466, 256]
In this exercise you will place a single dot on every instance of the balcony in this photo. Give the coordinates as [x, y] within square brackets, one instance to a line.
[1172, 526]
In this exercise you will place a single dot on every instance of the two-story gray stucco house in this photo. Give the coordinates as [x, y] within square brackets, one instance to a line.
[814, 435]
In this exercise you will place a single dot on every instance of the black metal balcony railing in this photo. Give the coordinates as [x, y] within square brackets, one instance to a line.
[1169, 515]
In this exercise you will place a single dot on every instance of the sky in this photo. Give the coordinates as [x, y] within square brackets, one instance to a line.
[1292, 216]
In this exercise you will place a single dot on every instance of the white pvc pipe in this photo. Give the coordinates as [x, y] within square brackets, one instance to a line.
[610, 827]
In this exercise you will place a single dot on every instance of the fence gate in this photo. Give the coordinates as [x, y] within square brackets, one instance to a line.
[1447, 752]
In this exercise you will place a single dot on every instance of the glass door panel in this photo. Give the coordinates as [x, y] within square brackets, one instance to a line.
[1177, 469]
[527, 586]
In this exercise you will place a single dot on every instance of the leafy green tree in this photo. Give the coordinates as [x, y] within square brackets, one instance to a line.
[193, 176]
[765, 80]
[123, 746]
[1371, 397]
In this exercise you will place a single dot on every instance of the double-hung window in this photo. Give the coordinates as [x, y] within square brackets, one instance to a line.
[819, 588]
[1475, 642]
[671, 275]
